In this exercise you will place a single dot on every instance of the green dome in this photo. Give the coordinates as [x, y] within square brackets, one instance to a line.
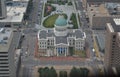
[60, 21]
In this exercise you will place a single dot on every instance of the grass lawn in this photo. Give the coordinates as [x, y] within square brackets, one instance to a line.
[50, 21]
[80, 53]
[74, 21]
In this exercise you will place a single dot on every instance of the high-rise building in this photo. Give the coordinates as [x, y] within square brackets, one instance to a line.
[9, 61]
[3, 10]
[112, 47]
[15, 10]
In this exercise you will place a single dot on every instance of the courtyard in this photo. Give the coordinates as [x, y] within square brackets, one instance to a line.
[53, 9]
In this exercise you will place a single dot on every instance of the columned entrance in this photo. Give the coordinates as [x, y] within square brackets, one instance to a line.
[61, 51]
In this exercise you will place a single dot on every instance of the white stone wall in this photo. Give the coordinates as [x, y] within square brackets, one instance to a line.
[71, 41]
[42, 44]
[61, 46]
[50, 41]
[79, 44]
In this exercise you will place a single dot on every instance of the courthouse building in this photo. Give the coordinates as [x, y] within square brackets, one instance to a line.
[60, 39]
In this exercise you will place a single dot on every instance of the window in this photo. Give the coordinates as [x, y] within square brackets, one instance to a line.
[114, 36]
[3, 55]
[3, 59]
[4, 63]
[3, 66]
[4, 73]
[91, 9]
[3, 52]
[4, 69]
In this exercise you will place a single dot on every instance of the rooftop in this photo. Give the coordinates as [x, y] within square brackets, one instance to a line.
[61, 40]
[100, 10]
[15, 12]
[116, 24]
[5, 35]
[117, 21]
[9, 40]
[44, 34]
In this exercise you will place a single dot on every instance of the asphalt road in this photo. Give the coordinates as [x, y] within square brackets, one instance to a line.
[86, 27]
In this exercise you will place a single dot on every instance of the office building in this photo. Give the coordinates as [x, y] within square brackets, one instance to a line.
[100, 12]
[112, 44]
[14, 14]
[9, 58]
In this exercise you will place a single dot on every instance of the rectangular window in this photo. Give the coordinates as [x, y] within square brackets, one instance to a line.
[4, 63]
[114, 36]
[3, 55]
[3, 66]
[4, 69]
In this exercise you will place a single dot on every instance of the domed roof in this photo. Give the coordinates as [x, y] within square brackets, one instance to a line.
[61, 21]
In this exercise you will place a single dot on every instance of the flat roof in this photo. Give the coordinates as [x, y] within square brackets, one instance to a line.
[100, 10]
[15, 12]
[5, 39]
[117, 21]
[9, 40]
[115, 24]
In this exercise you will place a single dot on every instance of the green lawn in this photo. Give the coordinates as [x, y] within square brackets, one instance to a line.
[80, 53]
[50, 21]
[74, 21]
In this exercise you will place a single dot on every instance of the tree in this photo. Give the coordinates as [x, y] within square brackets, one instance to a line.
[85, 72]
[73, 72]
[79, 72]
[62, 74]
[53, 72]
[46, 72]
